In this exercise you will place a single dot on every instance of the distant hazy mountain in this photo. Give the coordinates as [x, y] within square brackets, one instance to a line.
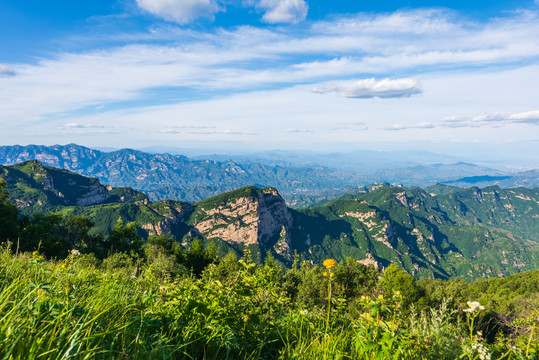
[166, 176]
[527, 179]
[302, 178]
[439, 232]
[363, 161]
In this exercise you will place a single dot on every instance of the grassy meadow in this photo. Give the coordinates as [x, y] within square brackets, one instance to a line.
[124, 307]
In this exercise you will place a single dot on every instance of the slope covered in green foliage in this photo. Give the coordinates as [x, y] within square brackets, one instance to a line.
[440, 232]
[467, 232]
[139, 308]
[301, 178]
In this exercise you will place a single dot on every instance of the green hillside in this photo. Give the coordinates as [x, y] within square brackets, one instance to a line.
[466, 233]
[440, 232]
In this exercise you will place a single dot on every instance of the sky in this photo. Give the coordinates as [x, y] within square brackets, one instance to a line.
[455, 77]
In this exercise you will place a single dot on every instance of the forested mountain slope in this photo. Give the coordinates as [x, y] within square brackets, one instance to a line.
[166, 176]
[467, 233]
[301, 181]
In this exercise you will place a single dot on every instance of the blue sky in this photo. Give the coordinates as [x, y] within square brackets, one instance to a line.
[458, 77]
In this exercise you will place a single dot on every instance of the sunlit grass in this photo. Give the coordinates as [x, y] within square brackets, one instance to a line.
[77, 309]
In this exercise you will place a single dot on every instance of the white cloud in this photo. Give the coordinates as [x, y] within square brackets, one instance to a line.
[370, 88]
[222, 132]
[424, 125]
[245, 59]
[283, 11]
[182, 129]
[302, 130]
[491, 119]
[351, 126]
[270, 113]
[79, 126]
[180, 11]
[170, 131]
[186, 11]
[6, 71]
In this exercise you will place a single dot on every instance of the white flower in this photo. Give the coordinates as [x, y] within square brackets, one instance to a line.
[474, 306]
[482, 350]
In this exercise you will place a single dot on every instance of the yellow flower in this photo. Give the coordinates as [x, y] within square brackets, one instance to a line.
[325, 273]
[329, 263]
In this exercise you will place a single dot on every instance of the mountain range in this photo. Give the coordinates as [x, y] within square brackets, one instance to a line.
[301, 179]
[441, 231]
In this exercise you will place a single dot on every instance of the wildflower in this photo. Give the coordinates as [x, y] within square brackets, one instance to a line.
[365, 298]
[325, 273]
[482, 350]
[64, 265]
[329, 263]
[75, 252]
[474, 306]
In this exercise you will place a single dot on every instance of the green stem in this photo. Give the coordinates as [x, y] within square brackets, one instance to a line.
[530, 340]
[329, 300]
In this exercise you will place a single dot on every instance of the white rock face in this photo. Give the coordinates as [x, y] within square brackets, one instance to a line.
[370, 260]
[249, 220]
[97, 194]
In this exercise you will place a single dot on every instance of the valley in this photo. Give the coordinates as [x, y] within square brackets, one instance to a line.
[437, 232]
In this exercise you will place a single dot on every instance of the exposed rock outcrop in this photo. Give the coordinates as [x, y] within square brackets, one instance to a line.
[259, 217]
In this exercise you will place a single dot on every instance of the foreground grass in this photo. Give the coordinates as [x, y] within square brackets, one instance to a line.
[79, 309]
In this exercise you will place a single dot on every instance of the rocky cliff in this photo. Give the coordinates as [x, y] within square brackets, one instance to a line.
[249, 216]
[467, 233]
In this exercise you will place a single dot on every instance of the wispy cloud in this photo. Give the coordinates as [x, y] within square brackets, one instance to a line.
[170, 131]
[396, 127]
[80, 126]
[283, 11]
[247, 58]
[74, 128]
[180, 11]
[6, 71]
[185, 129]
[299, 131]
[186, 11]
[492, 119]
[353, 126]
[370, 88]
[222, 132]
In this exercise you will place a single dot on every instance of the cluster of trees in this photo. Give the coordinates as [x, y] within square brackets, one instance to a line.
[55, 236]
[509, 301]
[125, 306]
